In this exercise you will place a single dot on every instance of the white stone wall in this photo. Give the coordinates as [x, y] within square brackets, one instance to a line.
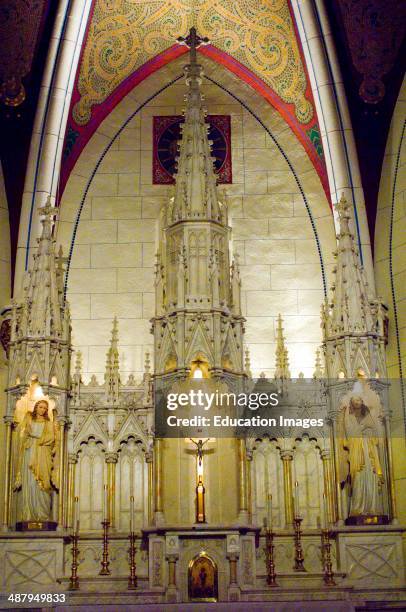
[113, 257]
[393, 186]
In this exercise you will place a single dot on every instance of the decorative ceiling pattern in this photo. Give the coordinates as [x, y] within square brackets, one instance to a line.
[127, 40]
[125, 35]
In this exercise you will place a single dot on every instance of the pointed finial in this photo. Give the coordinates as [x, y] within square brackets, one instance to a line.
[344, 215]
[78, 364]
[48, 211]
[281, 356]
[114, 332]
[77, 377]
[112, 374]
[147, 363]
[247, 362]
[318, 369]
[195, 179]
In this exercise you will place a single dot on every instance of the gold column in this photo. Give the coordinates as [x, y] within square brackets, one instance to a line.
[111, 460]
[391, 484]
[158, 484]
[242, 481]
[338, 500]
[249, 484]
[287, 457]
[150, 463]
[7, 484]
[172, 570]
[328, 485]
[62, 481]
[72, 461]
[233, 569]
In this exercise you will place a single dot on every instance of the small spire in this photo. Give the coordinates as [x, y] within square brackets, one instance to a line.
[247, 362]
[147, 380]
[112, 374]
[348, 310]
[236, 285]
[60, 271]
[352, 320]
[318, 369]
[147, 363]
[78, 366]
[282, 358]
[195, 188]
[77, 376]
[45, 312]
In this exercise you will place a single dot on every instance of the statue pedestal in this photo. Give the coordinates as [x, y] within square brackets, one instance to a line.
[371, 556]
[25, 556]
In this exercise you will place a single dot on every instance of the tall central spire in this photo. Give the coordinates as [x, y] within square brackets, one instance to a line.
[198, 301]
[195, 191]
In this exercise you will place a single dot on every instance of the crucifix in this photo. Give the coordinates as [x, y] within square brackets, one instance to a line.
[193, 41]
[200, 489]
[199, 453]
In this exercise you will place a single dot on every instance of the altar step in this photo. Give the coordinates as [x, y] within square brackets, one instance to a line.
[283, 606]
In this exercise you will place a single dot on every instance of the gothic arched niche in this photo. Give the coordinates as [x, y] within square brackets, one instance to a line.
[132, 480]
[308, 472]
[267, 479]
[90, 478]
[203, 579]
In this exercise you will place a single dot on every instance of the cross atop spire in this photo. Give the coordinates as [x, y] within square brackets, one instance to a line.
[193, 41]
[48, 211]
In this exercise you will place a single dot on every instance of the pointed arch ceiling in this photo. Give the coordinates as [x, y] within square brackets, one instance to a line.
[126, 40]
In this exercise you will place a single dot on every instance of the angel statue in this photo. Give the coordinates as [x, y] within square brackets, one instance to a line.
[360, 466]
[37, 473]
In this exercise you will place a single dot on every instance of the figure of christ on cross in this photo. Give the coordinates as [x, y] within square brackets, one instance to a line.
[199, 451]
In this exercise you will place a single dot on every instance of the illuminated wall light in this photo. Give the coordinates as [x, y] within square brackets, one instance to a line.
[198, 373]
[38, 392]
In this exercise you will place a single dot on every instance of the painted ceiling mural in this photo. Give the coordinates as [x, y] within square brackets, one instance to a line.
[127, 40]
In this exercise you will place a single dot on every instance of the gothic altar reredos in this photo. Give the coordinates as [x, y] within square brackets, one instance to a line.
[82, 454]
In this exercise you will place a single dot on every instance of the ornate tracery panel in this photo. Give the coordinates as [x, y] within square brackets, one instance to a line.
[132, 479]
[267, 479]
[308, 472]
[90, 479]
